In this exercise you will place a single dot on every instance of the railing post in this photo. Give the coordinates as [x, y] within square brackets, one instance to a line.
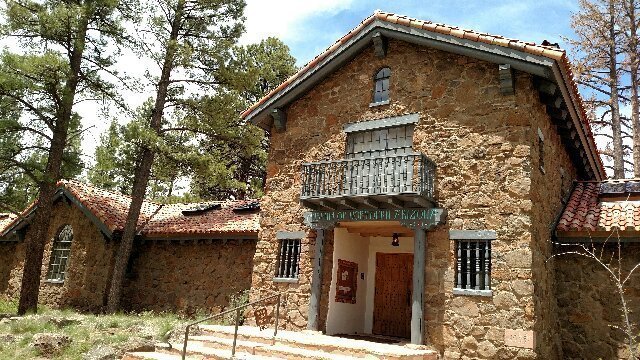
[275, 332]
[186, 338]
[235, 333]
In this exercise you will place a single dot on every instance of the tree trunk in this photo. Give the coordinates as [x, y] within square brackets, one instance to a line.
[632, 51]
[618, 151]
[39, 234]
[143, 170]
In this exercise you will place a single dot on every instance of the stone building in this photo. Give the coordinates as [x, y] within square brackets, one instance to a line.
[186, 256]
[415, 176]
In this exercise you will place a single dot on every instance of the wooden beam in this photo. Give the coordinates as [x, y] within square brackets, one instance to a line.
[545, 86]
[279, 119]
[370, 203]
[380, 45]
[328, 205]
[395, 202]
[507, 83]
[350, 204]
[420, 201]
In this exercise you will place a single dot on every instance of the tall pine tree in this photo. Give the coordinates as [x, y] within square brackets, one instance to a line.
[63, 59]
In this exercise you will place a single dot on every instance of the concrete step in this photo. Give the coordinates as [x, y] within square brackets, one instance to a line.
[315, 342]
[194, 352]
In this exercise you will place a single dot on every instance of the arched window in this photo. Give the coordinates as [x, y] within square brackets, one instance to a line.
[381, 90]
[60, 254]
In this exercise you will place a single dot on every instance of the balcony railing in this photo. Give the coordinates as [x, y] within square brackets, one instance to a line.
[402, 174]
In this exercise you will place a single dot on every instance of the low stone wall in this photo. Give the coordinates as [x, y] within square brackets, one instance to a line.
[169, 276]
[589, 306]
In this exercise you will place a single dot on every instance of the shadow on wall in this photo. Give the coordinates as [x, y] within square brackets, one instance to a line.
[589, 306]
[8, 258]
[188, 278]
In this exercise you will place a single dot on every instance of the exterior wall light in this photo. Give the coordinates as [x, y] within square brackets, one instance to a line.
[395, 240]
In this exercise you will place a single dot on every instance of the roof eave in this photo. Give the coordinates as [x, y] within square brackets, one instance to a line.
[12, 230]
[347, 50]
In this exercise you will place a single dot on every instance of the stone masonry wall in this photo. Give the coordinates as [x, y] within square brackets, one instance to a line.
[550, 188]
[590, 306]
[87, 269]
[165, 276]
[481, 142]
[169, 276]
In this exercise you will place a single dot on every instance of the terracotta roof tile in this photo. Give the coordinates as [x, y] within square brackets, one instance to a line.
[589, 209]
[529, 47]
[157, 220]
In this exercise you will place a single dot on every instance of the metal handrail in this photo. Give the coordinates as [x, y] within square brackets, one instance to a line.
[237, 322]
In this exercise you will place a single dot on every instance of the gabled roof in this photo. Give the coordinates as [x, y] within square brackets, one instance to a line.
[596, 209]
[547, 62]
[108, 210]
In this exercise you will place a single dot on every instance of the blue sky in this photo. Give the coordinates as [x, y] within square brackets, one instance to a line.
[310, 27]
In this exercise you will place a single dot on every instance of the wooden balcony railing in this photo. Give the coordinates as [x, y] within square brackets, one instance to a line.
[403, 174]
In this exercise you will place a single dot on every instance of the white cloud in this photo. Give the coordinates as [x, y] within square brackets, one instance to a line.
[282, 18]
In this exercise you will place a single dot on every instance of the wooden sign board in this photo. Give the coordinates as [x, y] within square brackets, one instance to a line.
[520, 338]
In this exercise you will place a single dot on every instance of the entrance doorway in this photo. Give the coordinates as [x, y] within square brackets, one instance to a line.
[392, 300]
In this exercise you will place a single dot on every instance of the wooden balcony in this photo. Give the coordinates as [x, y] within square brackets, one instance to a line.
[376, 182]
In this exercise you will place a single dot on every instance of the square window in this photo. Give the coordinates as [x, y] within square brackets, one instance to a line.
[287, 266]
[473, 264]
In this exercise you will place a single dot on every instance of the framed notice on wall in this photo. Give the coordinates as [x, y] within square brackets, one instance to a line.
[347, 282]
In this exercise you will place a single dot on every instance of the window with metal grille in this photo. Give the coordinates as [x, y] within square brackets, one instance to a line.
[473, 264]
[381, 90]
[60, 254]
[288, 259]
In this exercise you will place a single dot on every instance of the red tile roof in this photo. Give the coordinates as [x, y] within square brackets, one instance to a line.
[158, 220]
[596, 207]
[552, 52]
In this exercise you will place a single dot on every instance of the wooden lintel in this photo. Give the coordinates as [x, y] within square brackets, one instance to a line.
[279, 119]
[395, 202]
[507, 83]
[380, 45]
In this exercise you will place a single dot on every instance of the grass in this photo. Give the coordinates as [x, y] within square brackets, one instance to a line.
[87, 332]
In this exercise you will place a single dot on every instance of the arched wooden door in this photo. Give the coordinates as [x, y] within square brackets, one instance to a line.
[392, 299]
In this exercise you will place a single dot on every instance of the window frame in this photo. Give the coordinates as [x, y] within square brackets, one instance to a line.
[380, 78]
[472, 264]
[288, 259]
[60, 255]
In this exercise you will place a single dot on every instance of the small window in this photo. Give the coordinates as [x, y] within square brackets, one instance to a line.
[288, 259]
[60, 254]
[381, 90]
[473, 264]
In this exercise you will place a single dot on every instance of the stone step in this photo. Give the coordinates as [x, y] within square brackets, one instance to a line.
[315, 341]
[248, 350]
[194, 352]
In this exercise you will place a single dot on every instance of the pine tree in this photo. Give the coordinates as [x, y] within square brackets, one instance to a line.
[63, 61]
[190, 41]
[597, 47]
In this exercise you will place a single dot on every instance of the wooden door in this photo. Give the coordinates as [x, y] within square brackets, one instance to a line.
[392, 300]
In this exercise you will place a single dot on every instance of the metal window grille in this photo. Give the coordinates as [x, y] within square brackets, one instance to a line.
[288, 259]
[60, 254]
[381, 90]
[473, 268]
